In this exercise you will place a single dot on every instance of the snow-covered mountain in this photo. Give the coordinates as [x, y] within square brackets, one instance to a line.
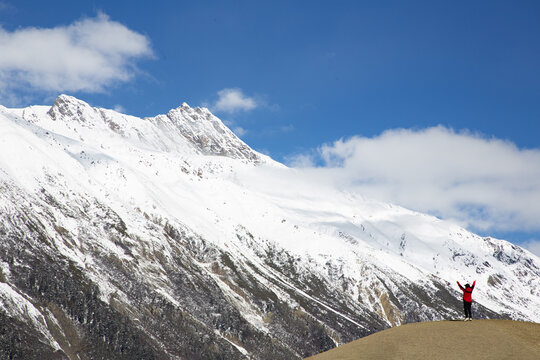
[170, 238]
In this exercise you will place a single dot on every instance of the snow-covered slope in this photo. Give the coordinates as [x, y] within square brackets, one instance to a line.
[172, 230]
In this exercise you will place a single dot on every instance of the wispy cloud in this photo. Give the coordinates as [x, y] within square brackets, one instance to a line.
[300, 161]
[7, 6]
[119, 108]
[533, 246]
[89, 55]
[486, 183]
[240, 131]
[231, 100]
[286, 128]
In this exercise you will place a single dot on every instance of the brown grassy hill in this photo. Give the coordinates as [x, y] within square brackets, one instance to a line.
[444, 340]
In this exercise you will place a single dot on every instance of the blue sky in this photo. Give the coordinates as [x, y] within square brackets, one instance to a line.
[292, 78]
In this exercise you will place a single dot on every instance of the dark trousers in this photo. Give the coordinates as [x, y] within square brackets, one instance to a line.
[467, 308]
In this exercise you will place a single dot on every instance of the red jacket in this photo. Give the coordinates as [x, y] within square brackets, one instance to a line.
[467, 292]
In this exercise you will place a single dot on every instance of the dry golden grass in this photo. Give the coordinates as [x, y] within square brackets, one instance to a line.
[445, 340]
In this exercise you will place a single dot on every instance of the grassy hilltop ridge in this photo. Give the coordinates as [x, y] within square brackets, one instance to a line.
[444, 340]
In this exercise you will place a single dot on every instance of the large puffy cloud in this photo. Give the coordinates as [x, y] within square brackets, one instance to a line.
[88, 55]
[486, 183]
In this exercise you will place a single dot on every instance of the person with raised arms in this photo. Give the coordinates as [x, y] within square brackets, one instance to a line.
[467, 299]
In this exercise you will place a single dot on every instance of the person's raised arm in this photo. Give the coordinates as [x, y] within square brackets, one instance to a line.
[461, 287]
[472, 287]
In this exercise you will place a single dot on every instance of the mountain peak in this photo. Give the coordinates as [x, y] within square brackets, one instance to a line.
[183, 128]
[209, 134]
[68, 98]
[69, 108]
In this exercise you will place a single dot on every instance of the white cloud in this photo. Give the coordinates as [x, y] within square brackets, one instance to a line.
[89, 55]
[240, 131]
[300, 161]
[533, 246]
[119, 108]
[233, 100]
[287, 128]
[485, 183]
